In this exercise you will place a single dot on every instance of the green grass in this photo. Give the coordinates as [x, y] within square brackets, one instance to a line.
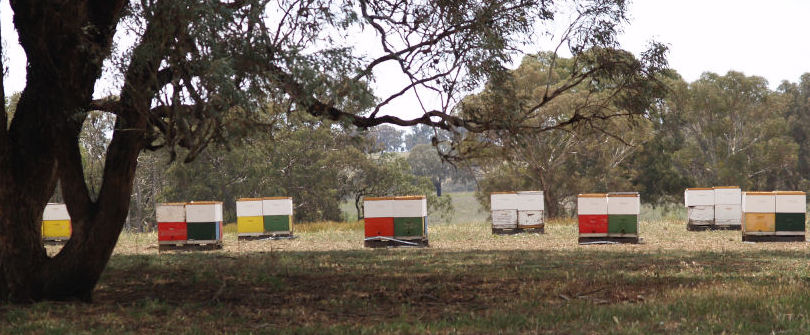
[468, 281]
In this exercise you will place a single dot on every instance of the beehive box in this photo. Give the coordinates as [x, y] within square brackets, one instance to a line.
[759, 209]
[171, 220]
[56, 225]
[260, 217]
[699, 207]
[623, 210]
[592, 215]
[277, 215]
[395, 221]
[789, 216]
[204, 222]
[727, 207]
[514, 212]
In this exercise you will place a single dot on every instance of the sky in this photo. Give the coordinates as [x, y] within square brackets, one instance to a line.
[767, 39]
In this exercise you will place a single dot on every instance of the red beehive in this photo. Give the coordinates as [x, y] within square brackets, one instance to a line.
[379, 226]
[593, 224]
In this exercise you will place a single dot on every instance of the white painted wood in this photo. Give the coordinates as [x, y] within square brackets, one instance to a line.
[277, 206]
[698, 197]
[623, 205]
[758, 203]
[218, 213]
[409, 208]
[728, 215]
[378, 208]
[205, 212]
[592, 206]
[700, 214]
[504, 218]
[530, 201]
[791, 203]
[500, 201]
[170, 212]
[727, 196]
[249, 208]
[530, 218]
[55, 212]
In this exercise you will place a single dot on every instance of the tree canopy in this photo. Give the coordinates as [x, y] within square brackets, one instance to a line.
[200, 72]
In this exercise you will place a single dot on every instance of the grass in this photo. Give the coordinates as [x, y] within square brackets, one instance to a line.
[468, 281]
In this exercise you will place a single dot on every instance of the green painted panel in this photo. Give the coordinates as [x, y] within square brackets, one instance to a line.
[622, 224]
[790, 221]
[408, 226]
[274, 223]
[202, 231]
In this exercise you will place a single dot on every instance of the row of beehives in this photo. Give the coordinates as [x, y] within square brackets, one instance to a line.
[608, 216]
[779, 213]
[198, 223]
[259, 217]
[602, 216]
[716, 207]
[516, 211]
[392, 221]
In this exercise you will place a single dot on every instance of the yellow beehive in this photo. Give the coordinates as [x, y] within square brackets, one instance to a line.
[55, 222]
[759, 222]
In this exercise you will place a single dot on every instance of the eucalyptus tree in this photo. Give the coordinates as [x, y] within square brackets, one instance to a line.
[200, 71]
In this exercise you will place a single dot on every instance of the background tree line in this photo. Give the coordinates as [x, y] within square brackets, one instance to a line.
[718, 130]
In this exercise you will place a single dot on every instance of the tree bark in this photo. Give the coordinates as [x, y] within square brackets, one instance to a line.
[65, 44]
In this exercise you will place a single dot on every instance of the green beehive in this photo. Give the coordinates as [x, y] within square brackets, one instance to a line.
[408, 226]
[790, 221]
[202, 231]
[622, 224]
[276, 223]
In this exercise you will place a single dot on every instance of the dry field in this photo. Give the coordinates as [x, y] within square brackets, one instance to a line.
[468, 281]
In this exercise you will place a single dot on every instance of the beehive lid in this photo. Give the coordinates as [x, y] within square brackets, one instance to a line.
[623, 194]
[700, 188]
[722, 187]
[789, 193]
[592, 195]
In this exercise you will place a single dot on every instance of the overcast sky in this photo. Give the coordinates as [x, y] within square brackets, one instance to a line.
[767, 39]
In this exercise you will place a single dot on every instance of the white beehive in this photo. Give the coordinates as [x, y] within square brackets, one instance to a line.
[204, 211]
[55, 212]
[170, 212]
[790, 202]
[592, 204]
[759, 202]
[249, 207]
[699, 197]
[378, 207]
[277, 206]
[623, 203]
[727, 195]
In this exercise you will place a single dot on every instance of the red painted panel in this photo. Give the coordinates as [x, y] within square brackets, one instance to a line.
[593, 224]
[379, 226]
[172, 231]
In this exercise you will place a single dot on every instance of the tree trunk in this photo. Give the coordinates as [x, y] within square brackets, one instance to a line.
[437, 183]
[66, 44]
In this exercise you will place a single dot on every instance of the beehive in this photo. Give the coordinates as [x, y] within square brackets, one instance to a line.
[623, 209]
[171, 220]
[204, 222]
[592, 214]
[759, 210]
[790, 210]
[249, 217]
[397, 218]
[277, 215]
[504, 210]
[699, 206]
[517, 210]
[56, 224]
[727, 207]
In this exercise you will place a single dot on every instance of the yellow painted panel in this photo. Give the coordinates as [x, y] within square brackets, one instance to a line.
[56, 228]
[759, 222]
[250, 224]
